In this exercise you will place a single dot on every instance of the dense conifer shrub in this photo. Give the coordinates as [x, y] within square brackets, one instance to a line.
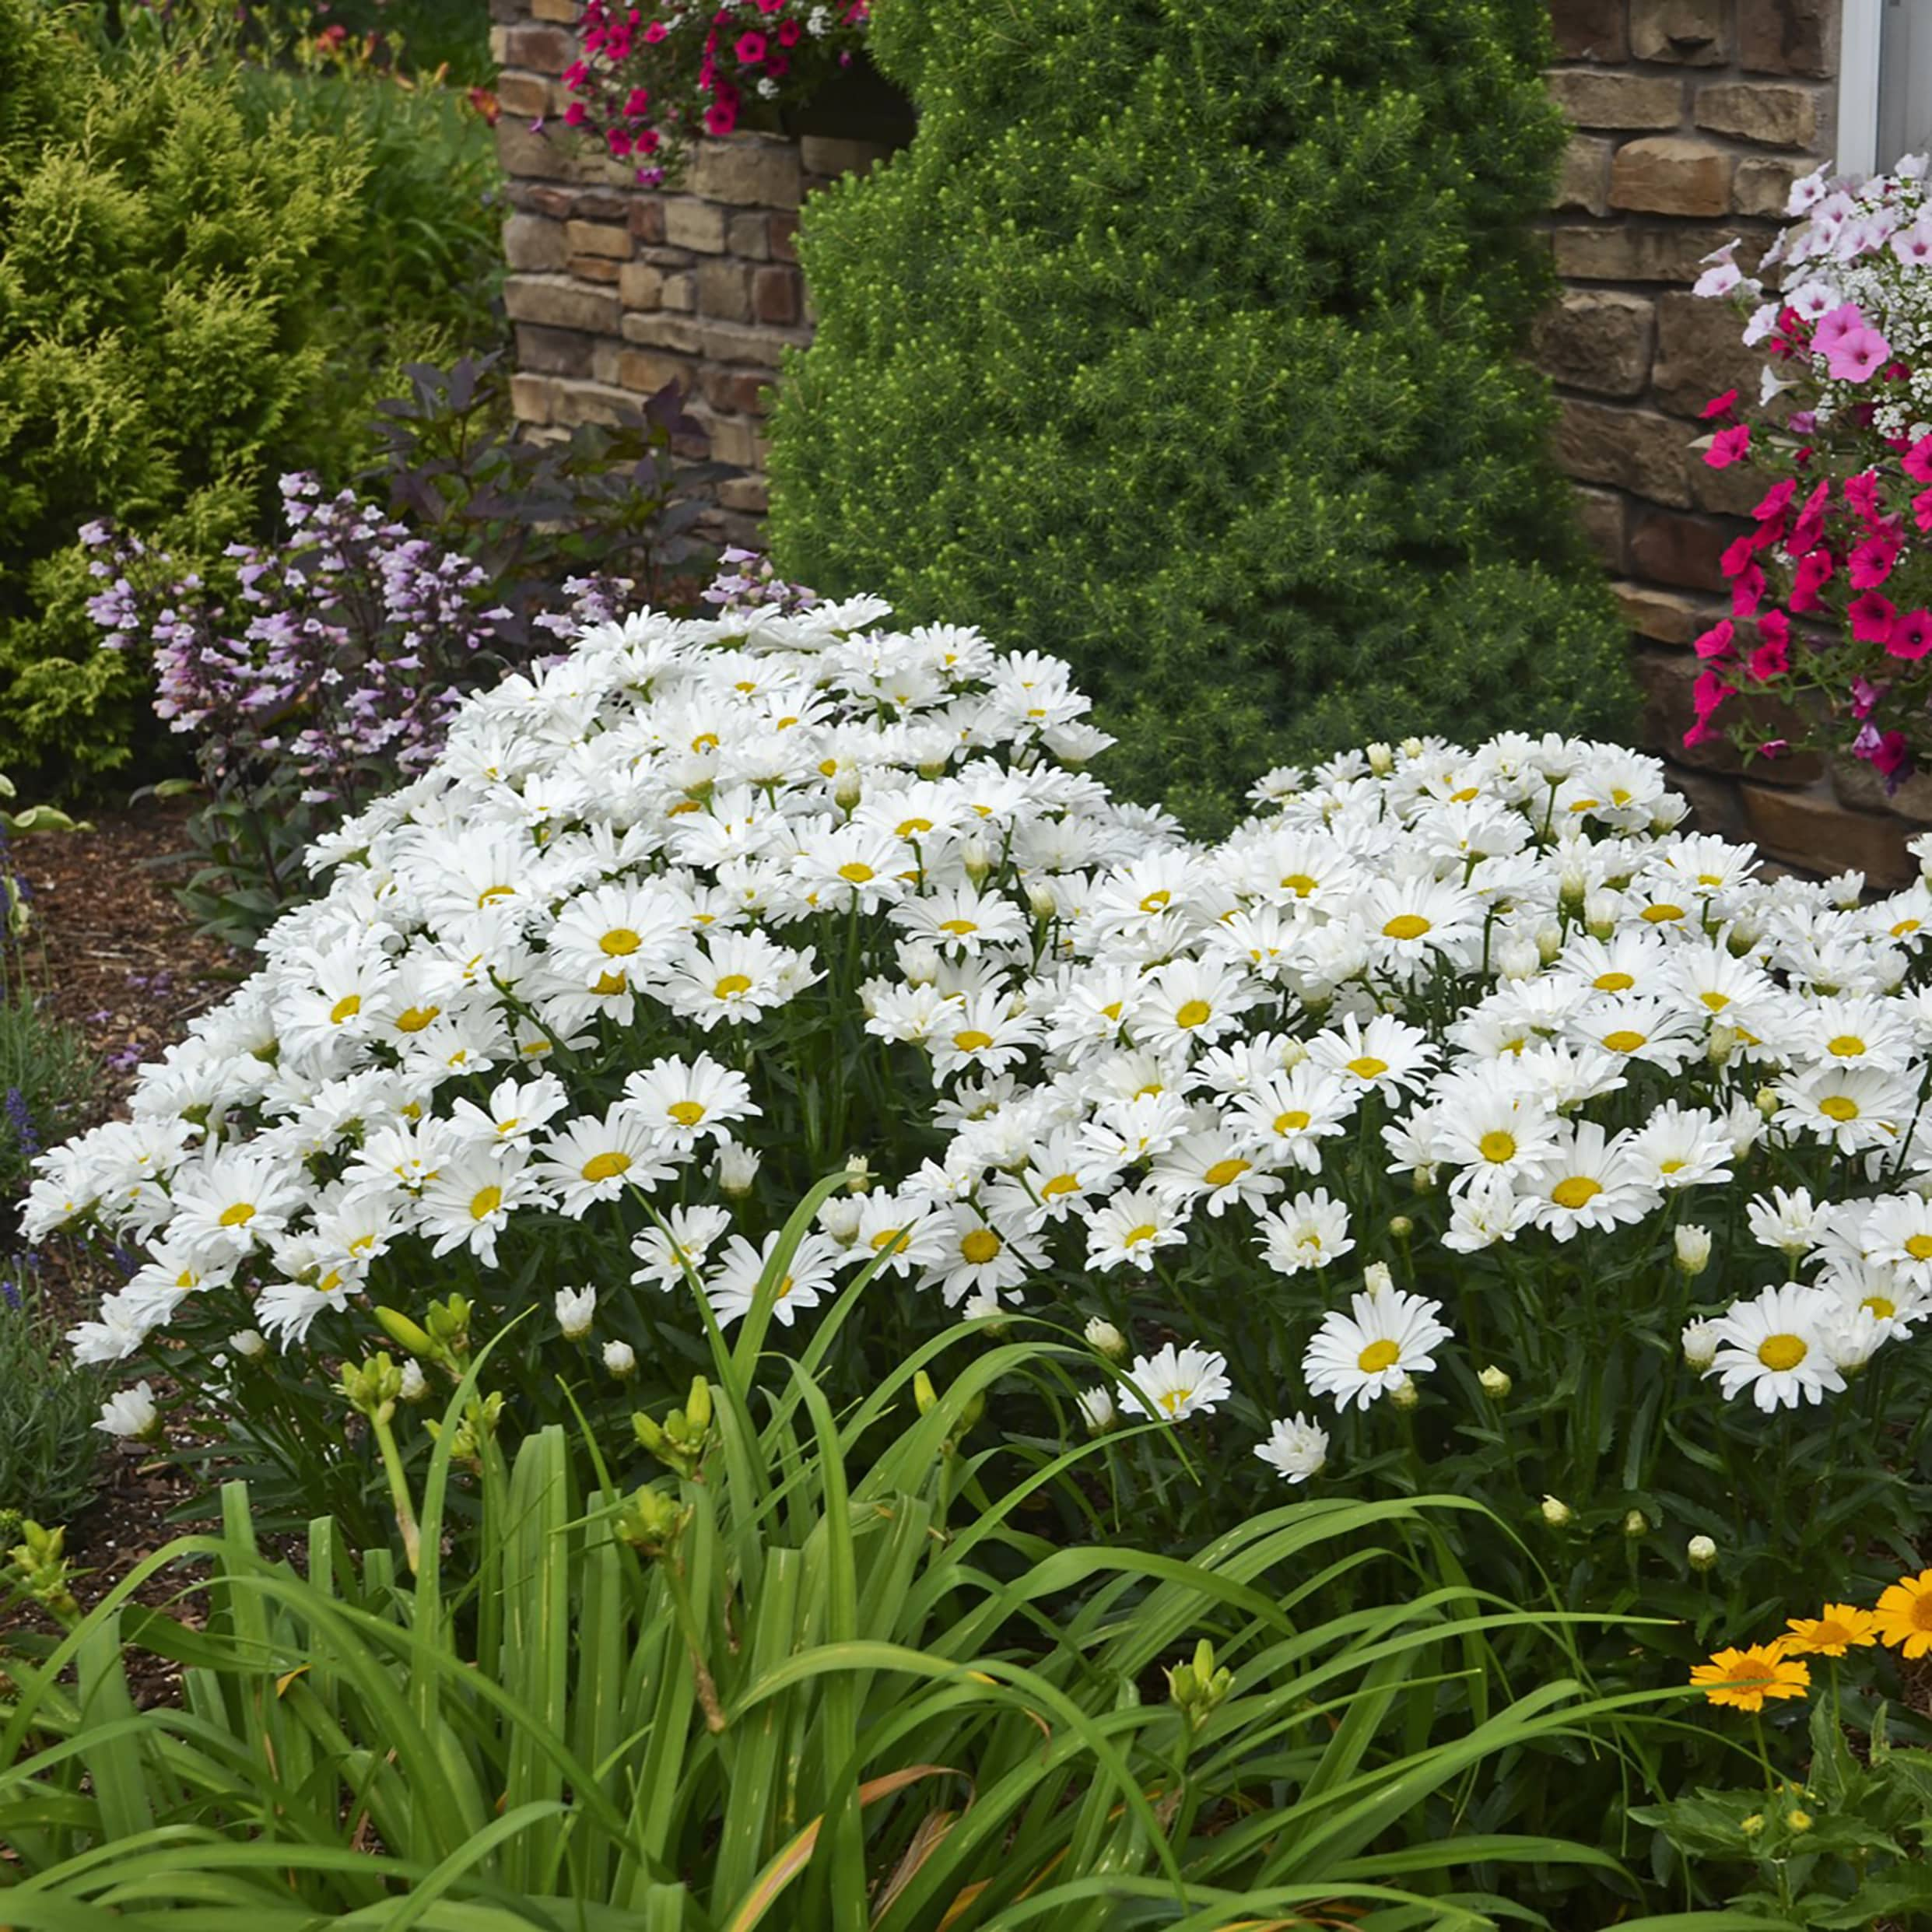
[1182, 342]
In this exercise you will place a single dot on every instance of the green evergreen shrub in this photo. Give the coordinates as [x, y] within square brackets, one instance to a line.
[1182, 342]
[207, 277]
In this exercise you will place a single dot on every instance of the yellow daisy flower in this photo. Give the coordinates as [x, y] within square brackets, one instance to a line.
[1744, 1678]
[1904, 1615]
[1837, 1628]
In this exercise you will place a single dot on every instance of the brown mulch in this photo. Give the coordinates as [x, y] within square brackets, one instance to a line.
[122, 962]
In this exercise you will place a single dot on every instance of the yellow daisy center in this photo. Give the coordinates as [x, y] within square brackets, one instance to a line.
[1660, 915]
[619, 943]
[610, 983]
[1496, 1145]
[1626, 1040]
[1156, 901]
[1715, 1001]
[1578, 1191]
[485, 1202]
[1291, 1122]
[732, 983]
[1881, 1305]
[1060, 1185]
[980, 1246]
[490, 894]
[1780, 1352]
[1377, 1356]
[1136, 1237]
[1614, 982]
[856, 872]
[1300, 883]
[972, 1040]
[1366, 1067]
[958, 928]
[346, 1007]
[1193, 1013]
[1846, 1046]
[686, 1112]
[1905, 925]
[1224, 1173]
[1405, 926]
[606, 1166]
[412, 1019]
[1839, 1106]
[238, 1216]
[911, 828]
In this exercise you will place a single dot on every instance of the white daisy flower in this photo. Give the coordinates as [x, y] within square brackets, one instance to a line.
[1174, 1383]
[1295, 1450]
[1371, 1351]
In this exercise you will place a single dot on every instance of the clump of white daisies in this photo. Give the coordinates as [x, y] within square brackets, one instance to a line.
[1435, 1026]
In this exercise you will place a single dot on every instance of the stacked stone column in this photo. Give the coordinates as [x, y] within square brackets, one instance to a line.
[1692, 118]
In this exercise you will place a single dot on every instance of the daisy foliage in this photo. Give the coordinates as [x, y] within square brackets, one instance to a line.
[1445, 1060]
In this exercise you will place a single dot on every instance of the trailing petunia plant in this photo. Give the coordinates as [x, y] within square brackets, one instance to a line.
[1832, 589]
[650, 82]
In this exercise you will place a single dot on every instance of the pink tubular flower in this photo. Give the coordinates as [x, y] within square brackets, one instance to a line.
[1729, 446]
[1871, 563]
[1813, 573]
[1747, 591]
[1717, 641]
[1911, 636]
[1707, 695]
[1777, 499]
[1872, 618]
[1719, 406]
[1858, 356]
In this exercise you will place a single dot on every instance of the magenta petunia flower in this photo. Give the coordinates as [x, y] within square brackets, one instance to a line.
[1872, 617]
[1911, 636]
[750, 49]
[1729, 446]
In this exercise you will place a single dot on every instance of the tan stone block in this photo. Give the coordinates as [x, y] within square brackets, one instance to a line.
[1716, 808]
[1583, 180]
[1778, 114]
[598, 238]
[1590, 29]
[681, 293]
[553, 352]
[752, 494]
[544, 50]
[599, 268]
[647, 219]
[1600, 513]
[1671, 174]
[735, 441]
[784, 237]
[774, 294]
[1762, 183]
[1700, 354]
[748, 342]
[1788, 37]
[1595, 338]
[523, 155]
[1668, 617]
[595, 402]
[689, 223]
[640, 286]
[1633, 449]
[1626, 252]
[532, 244]
[1812, 830]
[565, 12]
[733, 393]
[1690, 33]
[724, 290]
[1734, 491]
[748, 171]
[675, 332]
[558, 302]
[1855, 783]
[1682, 551]
[824, 154]
[525, 95]
[1592, 98]
[639, 369]
[532, 399]
[749, 237]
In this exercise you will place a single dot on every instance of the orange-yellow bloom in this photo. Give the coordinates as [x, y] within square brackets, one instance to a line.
[1835, 1630]
[1904, 1615]
[1744, 1678]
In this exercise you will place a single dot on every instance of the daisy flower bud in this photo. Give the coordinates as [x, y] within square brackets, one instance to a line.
[1549, 942]
[1700, 1343]
[1496, 1383]
[415, 1385]
[1693, 1248]
[575, 1307]
[858, 1173]
[1636, 1523]
[975, 858]
[1405, 1395]
[1721, 1045]
[1040, 901]
[1290, 1054]
[848, 789]
[250, 1343]
[1768, 1101]
[1377, 1278]
[131, 1415]
[1518, 959]
[1097, 1410]
[1557, 1514]
[1381, 760]
[1411, 748]
[1572, 883]
[1102, 1336]
[737, 1169]
[1401, 1226]
[1700, 1551]
[839, 1218]
[620, 1359]
[1599, 914]
[919, 960]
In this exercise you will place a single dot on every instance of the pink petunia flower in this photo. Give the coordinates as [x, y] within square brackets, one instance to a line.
[1911, 636]
[1717, 641]
[1872, 617]
[1858, 356]
[1835, 325]
[1729, 446]
[1719, 406]
[1813, 573]
[1871, 563]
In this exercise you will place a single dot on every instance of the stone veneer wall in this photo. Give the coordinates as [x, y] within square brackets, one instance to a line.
[615, 290]
[1692, 118]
